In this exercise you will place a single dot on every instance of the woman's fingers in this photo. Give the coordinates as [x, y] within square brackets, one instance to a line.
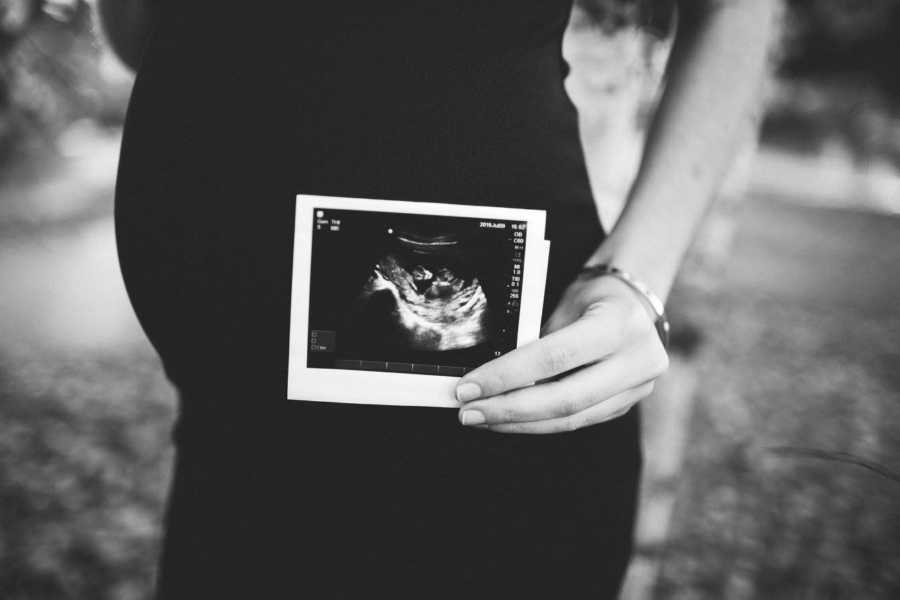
[611, 408]
[573, 394]
[608, 359]
[587, 340]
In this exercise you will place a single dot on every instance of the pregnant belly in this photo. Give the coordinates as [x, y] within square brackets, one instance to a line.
[211, 163]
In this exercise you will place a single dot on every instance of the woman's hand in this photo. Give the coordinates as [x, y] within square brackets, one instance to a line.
[599, 355]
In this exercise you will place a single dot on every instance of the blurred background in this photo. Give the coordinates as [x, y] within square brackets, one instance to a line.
[772, 445]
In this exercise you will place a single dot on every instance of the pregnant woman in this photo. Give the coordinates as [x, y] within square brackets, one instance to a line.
[239, 107]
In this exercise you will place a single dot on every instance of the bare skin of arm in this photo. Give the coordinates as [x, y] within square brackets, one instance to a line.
[600, 353]
[127, 27]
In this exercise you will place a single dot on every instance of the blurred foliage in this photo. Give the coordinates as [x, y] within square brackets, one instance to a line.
[852, 39]
[837, 72]
[821, 38]
[810, 115]
[654, 16]
[838, 81]
[49, 73]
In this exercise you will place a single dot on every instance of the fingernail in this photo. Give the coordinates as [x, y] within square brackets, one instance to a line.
[468, 391]
[472, 417]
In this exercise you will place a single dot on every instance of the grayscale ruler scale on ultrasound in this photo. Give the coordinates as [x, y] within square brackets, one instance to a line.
[393, 301]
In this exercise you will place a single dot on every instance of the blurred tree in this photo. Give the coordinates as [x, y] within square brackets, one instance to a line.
[15, 17]
[853, 39]
[655, 16]
[838, 81]
[49, 72]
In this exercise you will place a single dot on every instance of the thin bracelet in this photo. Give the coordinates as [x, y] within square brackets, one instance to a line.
[660, 320]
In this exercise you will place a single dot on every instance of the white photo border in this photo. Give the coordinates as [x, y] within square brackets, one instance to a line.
[400, 389]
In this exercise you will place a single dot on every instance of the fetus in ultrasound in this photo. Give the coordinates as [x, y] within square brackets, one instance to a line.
[422, 294]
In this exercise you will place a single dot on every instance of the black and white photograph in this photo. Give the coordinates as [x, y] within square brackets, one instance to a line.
[450, 299]
[425, 294]
[392, 301]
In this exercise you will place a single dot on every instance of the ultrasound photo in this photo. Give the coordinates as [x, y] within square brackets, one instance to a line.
[412, 293]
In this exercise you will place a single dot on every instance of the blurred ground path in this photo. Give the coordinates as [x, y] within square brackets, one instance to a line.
[798, 349]
[828, 257]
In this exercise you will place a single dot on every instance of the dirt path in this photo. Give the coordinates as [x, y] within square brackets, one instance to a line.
[743, 496]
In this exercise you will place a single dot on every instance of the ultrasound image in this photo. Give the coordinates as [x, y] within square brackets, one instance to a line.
[435, 308]
[412, 293]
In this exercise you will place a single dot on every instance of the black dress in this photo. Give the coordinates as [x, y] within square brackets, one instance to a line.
[235, 110]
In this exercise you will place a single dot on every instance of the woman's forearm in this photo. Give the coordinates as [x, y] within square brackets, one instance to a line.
[710, 96]
[127, 26]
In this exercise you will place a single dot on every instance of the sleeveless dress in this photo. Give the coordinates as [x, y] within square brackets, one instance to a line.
[234, 112]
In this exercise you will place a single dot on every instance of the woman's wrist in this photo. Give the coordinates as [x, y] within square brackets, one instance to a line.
[653, 304]
[652, 262]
